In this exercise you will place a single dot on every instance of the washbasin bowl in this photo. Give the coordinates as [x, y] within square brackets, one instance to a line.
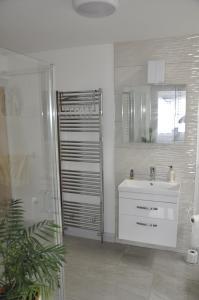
[150, 187]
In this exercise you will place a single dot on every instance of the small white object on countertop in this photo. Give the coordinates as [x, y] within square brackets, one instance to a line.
[172, 175]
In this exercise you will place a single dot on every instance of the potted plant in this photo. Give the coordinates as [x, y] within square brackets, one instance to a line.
[30, 261]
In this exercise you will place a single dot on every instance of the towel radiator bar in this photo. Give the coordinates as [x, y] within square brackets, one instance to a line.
[81, 159]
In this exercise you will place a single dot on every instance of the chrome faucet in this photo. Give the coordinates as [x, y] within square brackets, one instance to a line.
[131, 174]
[152, 173]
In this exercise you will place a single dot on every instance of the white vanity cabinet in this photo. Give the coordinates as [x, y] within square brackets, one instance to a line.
[148, 212]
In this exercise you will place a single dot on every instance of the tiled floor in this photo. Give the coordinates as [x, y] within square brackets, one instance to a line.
[118, 272]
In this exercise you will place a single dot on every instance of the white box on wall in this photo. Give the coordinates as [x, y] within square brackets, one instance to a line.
[156, 71]
[3, 63]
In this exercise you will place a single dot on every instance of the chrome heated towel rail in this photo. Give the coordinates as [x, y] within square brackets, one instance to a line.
[81, 160]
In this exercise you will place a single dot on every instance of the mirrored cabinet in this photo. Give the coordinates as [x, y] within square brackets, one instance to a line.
[154, 114]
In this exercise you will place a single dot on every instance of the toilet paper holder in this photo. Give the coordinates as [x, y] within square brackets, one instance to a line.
[192, 256]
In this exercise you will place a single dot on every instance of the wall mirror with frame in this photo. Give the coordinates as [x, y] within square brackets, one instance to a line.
[154, 114]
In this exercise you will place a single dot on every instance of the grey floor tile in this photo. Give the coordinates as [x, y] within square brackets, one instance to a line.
[170, 288]
[137, 257]
[93, 252]
[108, 280]
[118, 272]
[168, 263]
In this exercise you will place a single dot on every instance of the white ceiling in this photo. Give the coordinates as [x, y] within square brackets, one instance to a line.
[36, 25]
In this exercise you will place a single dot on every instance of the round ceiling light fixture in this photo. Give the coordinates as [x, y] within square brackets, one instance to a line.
[95, 8]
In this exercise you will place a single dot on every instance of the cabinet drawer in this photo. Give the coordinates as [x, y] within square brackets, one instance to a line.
[148, 209]
[149, 197]
[147, 230]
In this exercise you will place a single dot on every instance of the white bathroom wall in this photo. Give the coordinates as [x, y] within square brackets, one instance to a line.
[3, 63]
[181, 57]
[92, 67]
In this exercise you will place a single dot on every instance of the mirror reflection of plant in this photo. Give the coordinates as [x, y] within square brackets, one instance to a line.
[29, 258]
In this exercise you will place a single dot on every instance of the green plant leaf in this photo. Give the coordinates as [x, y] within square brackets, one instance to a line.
[31, 260]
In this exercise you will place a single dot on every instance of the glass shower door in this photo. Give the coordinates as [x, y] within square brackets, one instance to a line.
[28, 140]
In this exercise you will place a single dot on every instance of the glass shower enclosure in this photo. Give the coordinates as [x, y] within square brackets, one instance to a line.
[28, 140]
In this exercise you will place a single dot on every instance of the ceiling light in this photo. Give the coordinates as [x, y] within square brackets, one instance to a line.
[95, 8]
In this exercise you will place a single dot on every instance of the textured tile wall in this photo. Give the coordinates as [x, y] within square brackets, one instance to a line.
[182, 67]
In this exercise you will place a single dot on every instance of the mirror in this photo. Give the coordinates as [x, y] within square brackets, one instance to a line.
[154, 114]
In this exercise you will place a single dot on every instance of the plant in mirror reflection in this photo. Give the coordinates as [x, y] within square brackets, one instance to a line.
[30, 261]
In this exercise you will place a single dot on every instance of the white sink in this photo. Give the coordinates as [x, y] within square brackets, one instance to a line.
[150, 187]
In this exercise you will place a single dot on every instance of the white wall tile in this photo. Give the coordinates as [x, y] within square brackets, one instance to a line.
[130, 69]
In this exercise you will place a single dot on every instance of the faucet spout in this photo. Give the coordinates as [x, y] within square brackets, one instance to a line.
[131, 174]
[152, 173]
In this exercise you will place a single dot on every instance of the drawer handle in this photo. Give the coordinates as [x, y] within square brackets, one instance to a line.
[147, 208]
[146, 224]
